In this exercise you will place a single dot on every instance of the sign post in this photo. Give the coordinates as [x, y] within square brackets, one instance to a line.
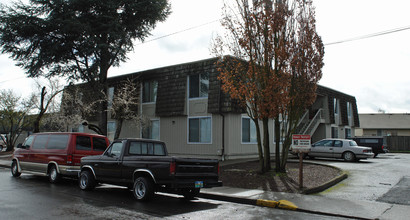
[301, 144]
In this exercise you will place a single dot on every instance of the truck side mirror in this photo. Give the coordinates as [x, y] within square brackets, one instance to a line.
[20, 145]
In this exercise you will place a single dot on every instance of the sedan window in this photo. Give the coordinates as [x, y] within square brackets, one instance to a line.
[352, 143]
[325, 143]
[338, 143]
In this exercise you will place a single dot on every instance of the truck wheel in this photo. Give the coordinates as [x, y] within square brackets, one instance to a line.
[143, 189]
[53, 175]
[190, 194]
[349, 156]
[14, 169]
[86, 181]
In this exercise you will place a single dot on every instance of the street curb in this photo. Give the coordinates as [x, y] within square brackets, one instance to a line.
[327, 184]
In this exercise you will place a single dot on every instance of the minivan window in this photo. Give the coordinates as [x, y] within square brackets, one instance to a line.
[40, 142]
[83, 143]
[58, 141]
[99, 144]
[28, 142]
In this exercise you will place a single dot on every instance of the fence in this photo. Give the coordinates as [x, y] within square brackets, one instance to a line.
[398, 143]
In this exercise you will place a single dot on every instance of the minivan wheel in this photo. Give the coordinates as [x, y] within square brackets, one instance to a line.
[349, 156]
[14, 169]
[86, 181]
[143, 189]
[53, 175]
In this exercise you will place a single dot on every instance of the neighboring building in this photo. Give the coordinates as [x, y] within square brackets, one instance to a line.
[382, 124]
[189, 112]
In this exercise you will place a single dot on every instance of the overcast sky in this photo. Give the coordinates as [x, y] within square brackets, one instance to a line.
[374, 69]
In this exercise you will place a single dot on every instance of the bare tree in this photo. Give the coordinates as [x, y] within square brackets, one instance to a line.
[124, 106]
[47, 99]
[14, 112]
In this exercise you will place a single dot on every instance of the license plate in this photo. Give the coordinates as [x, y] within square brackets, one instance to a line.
[199, 184]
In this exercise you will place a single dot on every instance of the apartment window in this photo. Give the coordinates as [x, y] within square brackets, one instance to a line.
[348, 133]
[199, 85]
[149, 91]
[151, 131]
[111, 130]
[349, 109]
[335, 132]
[110, 97]
[336, 106]
[248, 130]
[200, 130]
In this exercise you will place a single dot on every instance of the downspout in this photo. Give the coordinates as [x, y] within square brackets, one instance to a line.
[223, 123]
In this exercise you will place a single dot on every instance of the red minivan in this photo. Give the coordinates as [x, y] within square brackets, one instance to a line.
[56, 154]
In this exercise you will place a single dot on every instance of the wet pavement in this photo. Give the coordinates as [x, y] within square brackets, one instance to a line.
[369, 192]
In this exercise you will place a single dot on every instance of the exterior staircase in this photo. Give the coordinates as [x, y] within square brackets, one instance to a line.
[309, 126]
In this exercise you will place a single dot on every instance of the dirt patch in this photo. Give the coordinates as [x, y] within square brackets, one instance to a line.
[246, 175]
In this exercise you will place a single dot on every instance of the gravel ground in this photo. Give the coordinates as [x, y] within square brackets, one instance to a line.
[246, 175]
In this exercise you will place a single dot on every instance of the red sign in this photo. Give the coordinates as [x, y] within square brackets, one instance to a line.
[301, 142]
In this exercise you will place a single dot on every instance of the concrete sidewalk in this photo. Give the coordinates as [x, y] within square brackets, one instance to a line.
[303, 203]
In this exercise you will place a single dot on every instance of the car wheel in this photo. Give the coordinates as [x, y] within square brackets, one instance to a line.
[86, 181]
[143, 189]
[14, 169]
[349, 156]
[53, 175]
[190, 194]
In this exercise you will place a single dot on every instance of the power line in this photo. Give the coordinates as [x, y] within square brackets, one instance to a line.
[370, 35]
[177, 32]
[8, 80]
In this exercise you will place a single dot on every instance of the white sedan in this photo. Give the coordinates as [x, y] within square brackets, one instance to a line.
[340, 148]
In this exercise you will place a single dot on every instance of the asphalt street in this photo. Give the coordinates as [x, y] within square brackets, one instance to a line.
[371, 179]
[32, 197]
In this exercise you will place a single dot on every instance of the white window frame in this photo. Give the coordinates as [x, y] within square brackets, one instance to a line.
[199, 87]
[251, 122]
[151, 82]
[188, 130]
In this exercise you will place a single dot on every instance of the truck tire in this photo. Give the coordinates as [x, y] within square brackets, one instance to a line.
[53, 175]
[86, 180]
[143, 189]
[14, 169]
[190, 194]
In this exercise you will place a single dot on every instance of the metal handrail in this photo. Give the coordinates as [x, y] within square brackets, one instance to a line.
[314, 121]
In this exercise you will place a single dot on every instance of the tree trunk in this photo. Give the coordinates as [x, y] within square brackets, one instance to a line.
[118, 128]
[41, 113]
[277, 140]
[102, 106]
[260, 150]
[266, 146]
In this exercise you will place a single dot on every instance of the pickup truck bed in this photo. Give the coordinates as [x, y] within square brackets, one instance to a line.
[144, 166]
